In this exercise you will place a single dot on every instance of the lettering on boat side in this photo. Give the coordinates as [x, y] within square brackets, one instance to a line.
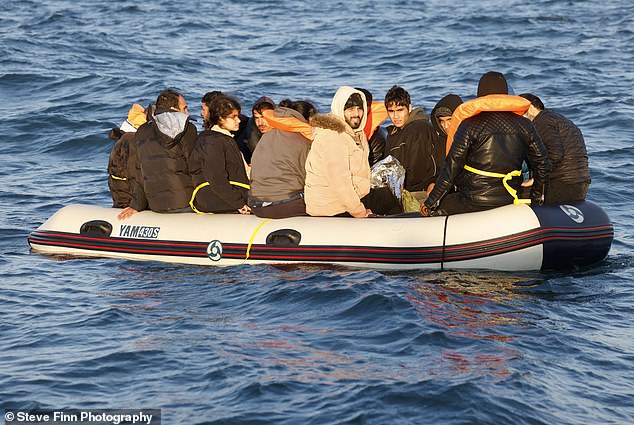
[214, 250]
[143, 232]
[574, 213]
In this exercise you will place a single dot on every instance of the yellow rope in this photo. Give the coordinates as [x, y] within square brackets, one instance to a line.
[191, 201]
[505, 179]
[117, 178]
[257, 229]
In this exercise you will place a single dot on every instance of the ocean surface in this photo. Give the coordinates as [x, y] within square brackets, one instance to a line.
[306, 344]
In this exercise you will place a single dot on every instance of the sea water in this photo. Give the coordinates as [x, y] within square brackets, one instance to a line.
[306, 344]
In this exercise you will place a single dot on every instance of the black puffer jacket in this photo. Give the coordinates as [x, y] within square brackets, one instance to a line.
[161, 178]
[495, 142]
[119, 177]
[414, 146]
[565, 145]
[217, 159]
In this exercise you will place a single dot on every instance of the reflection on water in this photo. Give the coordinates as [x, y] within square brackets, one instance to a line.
[480, 307]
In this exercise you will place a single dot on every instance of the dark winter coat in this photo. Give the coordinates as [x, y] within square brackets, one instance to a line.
[216, 159]
[566, 147]
[161, 180]
[414, 146]
[495, 142]
[119, 176]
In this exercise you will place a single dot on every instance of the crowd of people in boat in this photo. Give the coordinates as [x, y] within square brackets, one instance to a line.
[289, 160]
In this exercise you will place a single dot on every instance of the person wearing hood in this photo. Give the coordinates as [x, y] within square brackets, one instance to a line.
[487, 151]
[412, 141]
[570, 177]
[158, 158]
[441, 119]
[278, 166]
[119, 177]
[337, 167]
[217, 166]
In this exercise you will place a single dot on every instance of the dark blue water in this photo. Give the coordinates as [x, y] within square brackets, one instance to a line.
[306, 344]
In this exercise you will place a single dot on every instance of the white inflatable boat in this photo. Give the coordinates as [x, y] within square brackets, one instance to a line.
[511, 238]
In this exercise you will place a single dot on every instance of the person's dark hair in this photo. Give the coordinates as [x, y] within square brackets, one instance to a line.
[168, 99]
[263, 104]
[397, 96]
[221, 107]
[368, 95]
[304, 107]
[535, 101]
[209, 96]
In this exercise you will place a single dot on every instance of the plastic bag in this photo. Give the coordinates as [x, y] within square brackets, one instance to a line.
[410, 203]
[388, 172]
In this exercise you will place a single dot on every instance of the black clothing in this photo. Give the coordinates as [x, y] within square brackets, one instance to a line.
[414, 146]
[241, 137]
[495, 142]
[119, 176]
[444, 108]
[158, 156]
[377, 145]
[382, 201]
[566, 148]
[216, 159]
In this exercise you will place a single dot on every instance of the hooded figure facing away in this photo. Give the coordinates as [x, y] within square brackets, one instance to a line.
[337, 167]
[570, 177]
[485, 159]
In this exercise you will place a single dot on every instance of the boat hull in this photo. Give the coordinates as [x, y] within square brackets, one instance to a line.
[510, 238]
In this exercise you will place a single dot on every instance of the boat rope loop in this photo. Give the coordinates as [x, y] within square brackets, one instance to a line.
[117, 177]
[203, 184]
[255, 232]
[505, 178]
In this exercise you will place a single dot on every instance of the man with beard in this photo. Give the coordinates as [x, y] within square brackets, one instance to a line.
[337, 168]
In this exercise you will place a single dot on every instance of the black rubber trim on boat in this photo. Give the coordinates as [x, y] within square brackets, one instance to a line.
[284, 238]
[98, 228]
[444, 244]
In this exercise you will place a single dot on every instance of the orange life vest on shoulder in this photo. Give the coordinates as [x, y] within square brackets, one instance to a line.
[490, 103]
[377, 115]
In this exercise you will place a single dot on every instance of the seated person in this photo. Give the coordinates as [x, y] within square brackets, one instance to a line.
[217, 167]
[278, 169]
[570, 177]
[118, 164]
[337, 168]
[240, 135]
[257, 125]
[160, 178]
[412, 141]
[441, 120]
[486, 155]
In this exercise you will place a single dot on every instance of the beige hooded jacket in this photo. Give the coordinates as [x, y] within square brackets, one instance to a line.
[337, 168]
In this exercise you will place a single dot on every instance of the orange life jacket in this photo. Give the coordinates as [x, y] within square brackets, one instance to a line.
[490, 103]
[377, 115]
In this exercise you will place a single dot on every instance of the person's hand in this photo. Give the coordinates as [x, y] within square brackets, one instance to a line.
[245, 210]
[424, 211]
[528, 183]
[430, 188]
[127, 212]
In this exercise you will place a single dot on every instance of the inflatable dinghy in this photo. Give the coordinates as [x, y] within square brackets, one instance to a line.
[509, 238]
